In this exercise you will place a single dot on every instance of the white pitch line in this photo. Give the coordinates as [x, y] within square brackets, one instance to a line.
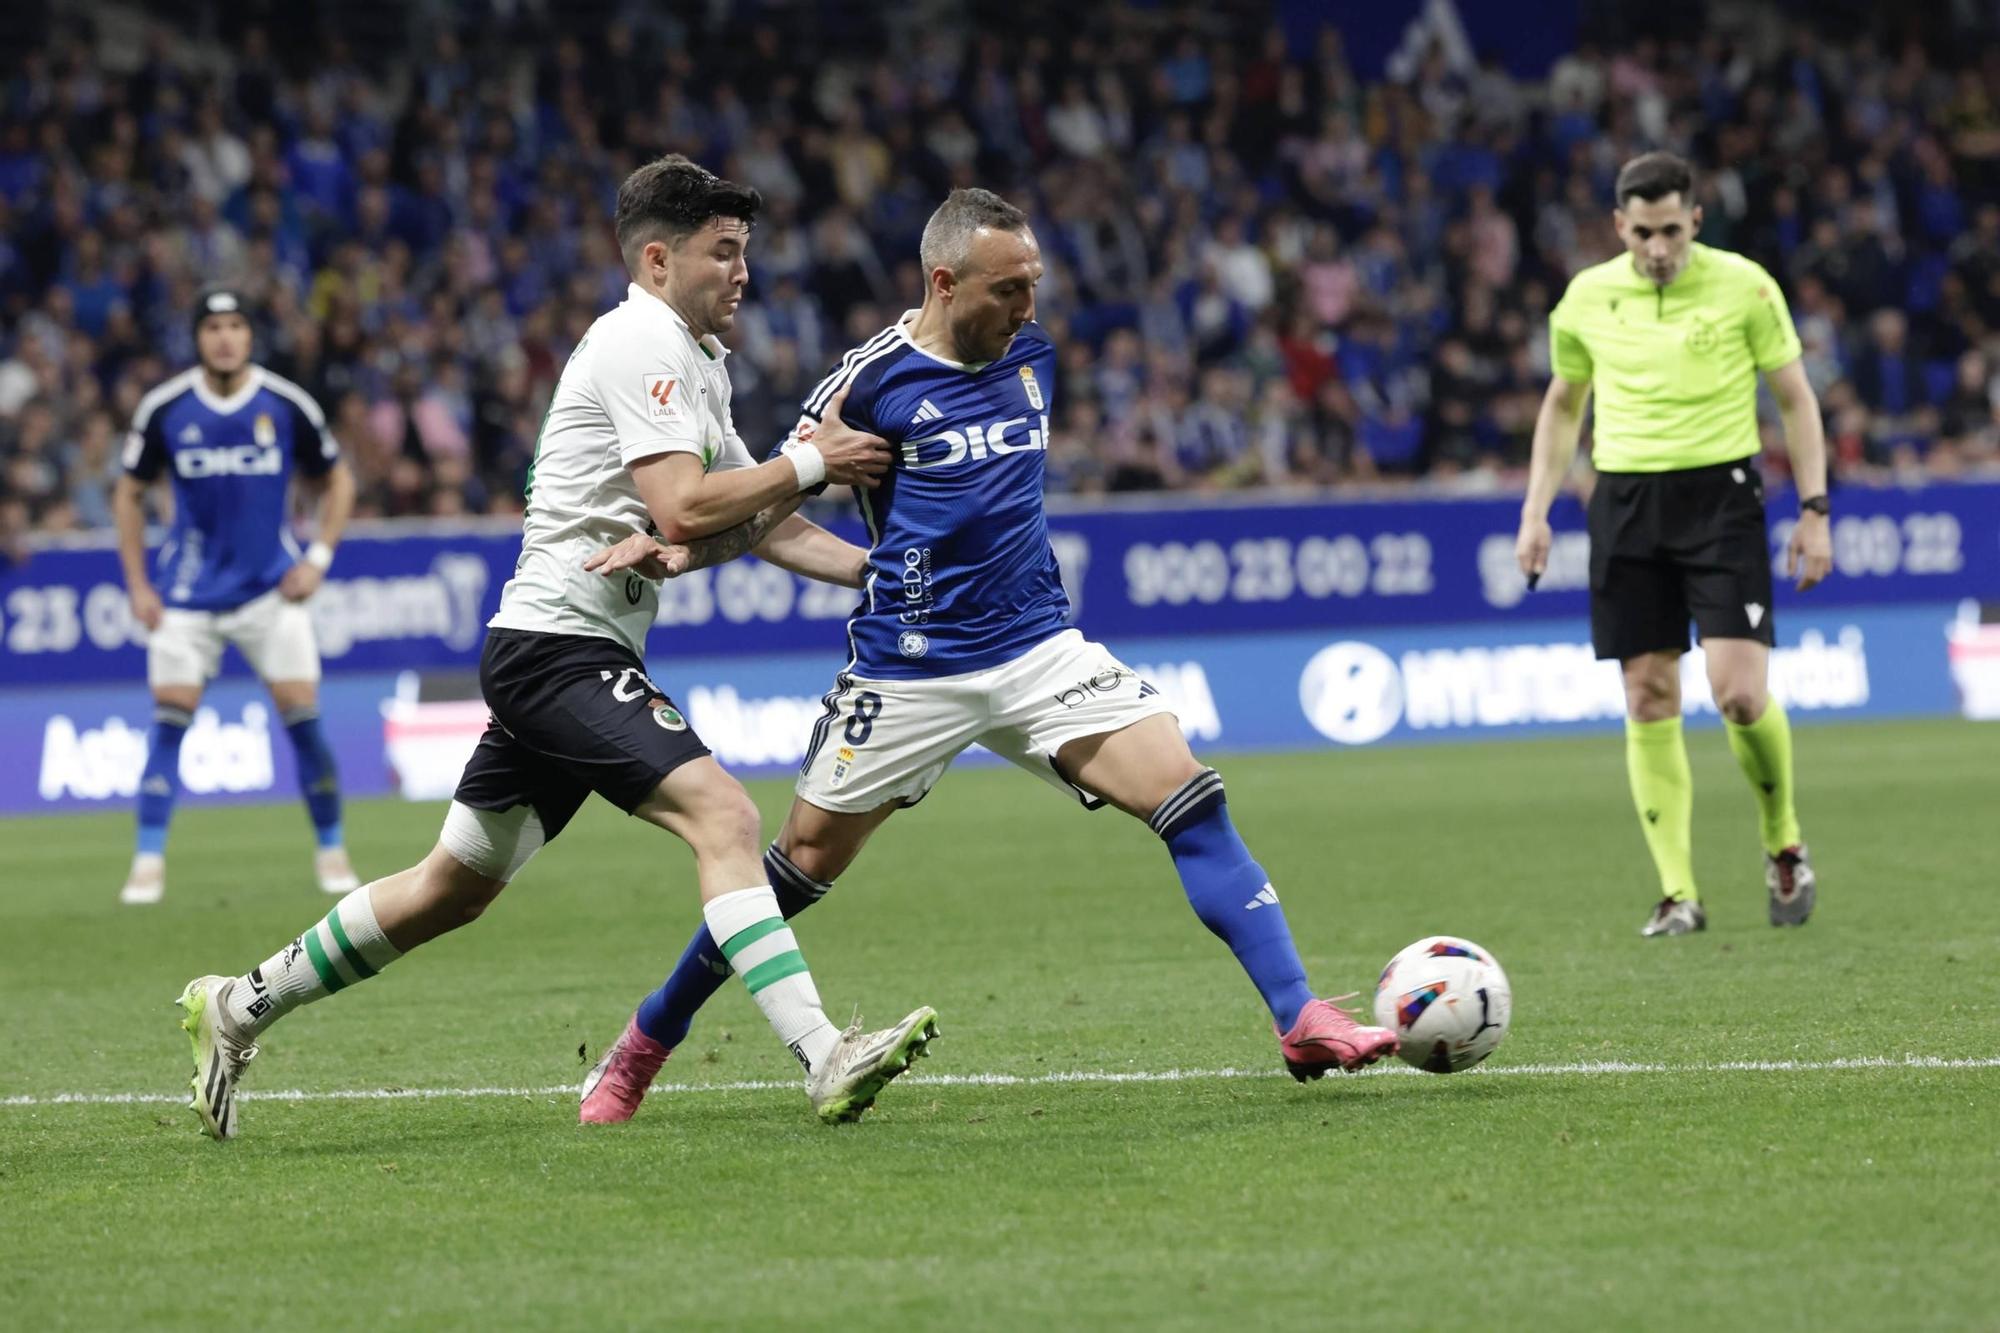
[1038, 1080]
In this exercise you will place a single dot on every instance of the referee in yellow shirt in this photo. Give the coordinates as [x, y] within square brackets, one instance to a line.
[1672, 336]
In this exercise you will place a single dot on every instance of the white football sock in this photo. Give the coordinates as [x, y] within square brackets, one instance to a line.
[344, 947]
[753, 936]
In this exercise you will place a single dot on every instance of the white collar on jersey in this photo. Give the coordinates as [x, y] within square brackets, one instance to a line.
[235, 402]
[903, 332]
[708, 343]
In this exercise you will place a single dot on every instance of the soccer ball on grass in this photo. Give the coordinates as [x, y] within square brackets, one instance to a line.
[1448, 1002]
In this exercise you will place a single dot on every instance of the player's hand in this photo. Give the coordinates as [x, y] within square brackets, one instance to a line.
[642, 554]
[300, 582]
[1531, 546]
[1809, 555]
[147, 606]
[853, 457]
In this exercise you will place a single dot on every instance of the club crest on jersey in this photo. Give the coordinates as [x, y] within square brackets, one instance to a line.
[1034, 390]
[264, 431]
[664, 398]
[911, 643]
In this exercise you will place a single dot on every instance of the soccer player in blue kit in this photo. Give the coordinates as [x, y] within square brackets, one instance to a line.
[962, 637]
[233, 435]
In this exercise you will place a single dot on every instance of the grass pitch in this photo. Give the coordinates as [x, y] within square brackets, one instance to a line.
[1754, 1170]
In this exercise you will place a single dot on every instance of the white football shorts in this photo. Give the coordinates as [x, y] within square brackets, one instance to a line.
[275, 637]
[891, 740]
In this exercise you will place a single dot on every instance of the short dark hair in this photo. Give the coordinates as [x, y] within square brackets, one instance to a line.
[948, 235]
[671, 198]
[1654, 176]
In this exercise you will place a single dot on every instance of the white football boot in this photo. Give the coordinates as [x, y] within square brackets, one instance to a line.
[146, 882]
[848, 1081]
[334, 871]
[221, 1050]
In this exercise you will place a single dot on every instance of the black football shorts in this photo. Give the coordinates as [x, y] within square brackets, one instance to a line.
[571, 714]
[1667, 548]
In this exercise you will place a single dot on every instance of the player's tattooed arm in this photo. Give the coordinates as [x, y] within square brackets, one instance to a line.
[804, 547]
[645, 554]
[743, 538]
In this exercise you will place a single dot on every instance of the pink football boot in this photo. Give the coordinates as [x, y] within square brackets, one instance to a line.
[612, 1091]
[1326, 1038]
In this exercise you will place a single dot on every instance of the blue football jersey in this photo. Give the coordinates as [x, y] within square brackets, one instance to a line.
[232, 462]
[961, 575]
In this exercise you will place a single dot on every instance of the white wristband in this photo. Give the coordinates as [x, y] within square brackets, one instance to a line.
[320, 556]
[810, 463]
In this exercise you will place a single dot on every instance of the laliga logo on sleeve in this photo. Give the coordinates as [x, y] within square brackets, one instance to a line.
[660, 398]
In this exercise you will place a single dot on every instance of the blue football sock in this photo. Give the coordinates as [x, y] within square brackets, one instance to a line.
[1231, 893]
[668, 1012]
[162, 778]
[319, 783]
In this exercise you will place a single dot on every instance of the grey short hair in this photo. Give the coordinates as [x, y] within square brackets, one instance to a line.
[947, 239]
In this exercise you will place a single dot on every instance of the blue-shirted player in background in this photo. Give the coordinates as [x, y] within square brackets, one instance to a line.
[232, 435]
[962, 636]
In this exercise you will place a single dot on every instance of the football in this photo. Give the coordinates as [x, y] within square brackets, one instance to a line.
[1447, 1000]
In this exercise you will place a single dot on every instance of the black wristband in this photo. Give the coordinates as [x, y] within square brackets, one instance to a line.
[1815, 504]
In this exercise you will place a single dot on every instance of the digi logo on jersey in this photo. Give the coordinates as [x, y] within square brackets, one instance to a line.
[240, 460]
[976, 442]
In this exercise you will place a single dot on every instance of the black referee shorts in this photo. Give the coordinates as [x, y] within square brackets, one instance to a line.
[1670, 547]
[572, 714]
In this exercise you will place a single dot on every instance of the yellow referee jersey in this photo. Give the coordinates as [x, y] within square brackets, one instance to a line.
[1673, 369]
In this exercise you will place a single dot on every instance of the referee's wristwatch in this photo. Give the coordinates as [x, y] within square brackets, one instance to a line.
[1815, 504]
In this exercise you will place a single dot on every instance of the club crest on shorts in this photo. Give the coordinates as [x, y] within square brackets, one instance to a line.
[843, 760]
[912, 644]
[668, 717]
[1034, 390]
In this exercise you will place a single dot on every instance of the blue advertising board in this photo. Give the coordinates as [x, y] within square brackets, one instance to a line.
[83, 747]
[420, 600]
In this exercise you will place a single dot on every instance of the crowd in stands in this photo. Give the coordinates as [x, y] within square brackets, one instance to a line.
[1262, 270]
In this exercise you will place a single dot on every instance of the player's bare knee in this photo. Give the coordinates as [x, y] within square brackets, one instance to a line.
[1652, 689]
[815, 852]
[294, 694]
[723, 821]
[1741, 703]
[183, 698]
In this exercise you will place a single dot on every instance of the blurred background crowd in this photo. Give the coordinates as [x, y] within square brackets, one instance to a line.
[1267, 266]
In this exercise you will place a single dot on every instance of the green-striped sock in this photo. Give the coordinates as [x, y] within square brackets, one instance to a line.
[760, 946]
[345, 946]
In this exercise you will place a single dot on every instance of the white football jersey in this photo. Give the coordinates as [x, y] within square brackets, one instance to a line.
[638, 385]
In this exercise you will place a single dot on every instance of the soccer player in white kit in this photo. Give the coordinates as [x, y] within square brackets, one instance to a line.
[638, 438]
[962, 636]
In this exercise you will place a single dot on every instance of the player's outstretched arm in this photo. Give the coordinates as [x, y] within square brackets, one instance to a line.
[1809, 557]
[646, 555]
[1557, 428]
[804, 547]
[128, 511]
[688, 503]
